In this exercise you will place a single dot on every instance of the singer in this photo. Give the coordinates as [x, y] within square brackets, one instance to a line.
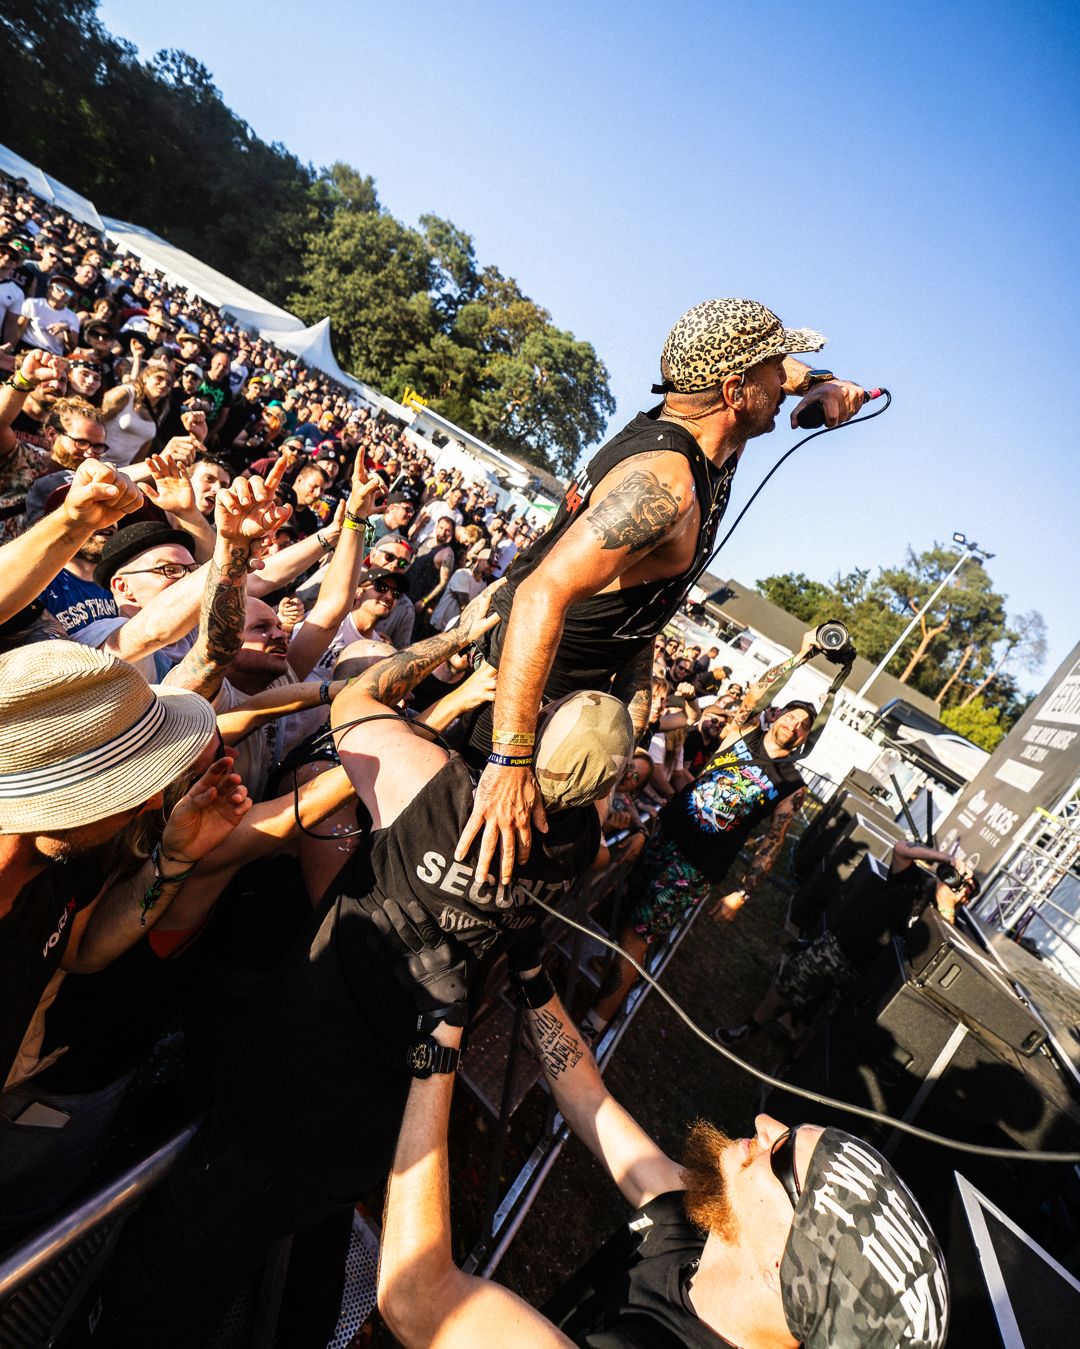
[634, 531]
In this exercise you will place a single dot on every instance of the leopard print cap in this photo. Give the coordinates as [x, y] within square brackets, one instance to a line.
[725, 337]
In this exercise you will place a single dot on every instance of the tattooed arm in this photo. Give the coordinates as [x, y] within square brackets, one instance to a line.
[636, 510]
[245, 513]
[387, 763]
[637, 1165]
[633, 686]
[765, 855]
[765, 689]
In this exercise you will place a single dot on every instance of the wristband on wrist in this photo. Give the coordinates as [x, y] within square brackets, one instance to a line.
[502, 737]
[153, 891]
[511, 760]
[351, 522]
[324, 542]
[19, 381]
[324, 692]
[536, 991]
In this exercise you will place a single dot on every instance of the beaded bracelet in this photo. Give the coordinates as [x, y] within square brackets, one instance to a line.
[511, 760]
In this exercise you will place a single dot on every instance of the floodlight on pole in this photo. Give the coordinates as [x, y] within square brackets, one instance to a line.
[970, 549]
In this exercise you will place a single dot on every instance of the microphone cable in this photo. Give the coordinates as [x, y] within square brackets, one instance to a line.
[825, 430]
[864, 1112]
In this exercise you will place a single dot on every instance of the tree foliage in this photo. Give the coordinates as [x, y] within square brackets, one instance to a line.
[962, 651]
[979, 723]
[154, 142]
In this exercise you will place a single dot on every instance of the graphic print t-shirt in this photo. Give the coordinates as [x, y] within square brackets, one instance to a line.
[711, 818]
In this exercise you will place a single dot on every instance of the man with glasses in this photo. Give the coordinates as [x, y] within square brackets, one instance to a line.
[74, 432]
[793, 1236]
[50, 324]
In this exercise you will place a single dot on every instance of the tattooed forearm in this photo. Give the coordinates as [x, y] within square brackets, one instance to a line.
[763, 688]
[633, 686]
[768, 850]
[558, 1048]
[391, 679]
[636, 514]
[221, 624]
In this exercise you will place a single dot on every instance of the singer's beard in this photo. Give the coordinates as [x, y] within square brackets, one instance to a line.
[758, 414]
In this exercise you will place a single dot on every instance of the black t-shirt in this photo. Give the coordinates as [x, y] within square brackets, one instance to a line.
[33, 938]
[638, 1296]
[697, 751]
[876, 911]
[318, 1078]
[712, 817]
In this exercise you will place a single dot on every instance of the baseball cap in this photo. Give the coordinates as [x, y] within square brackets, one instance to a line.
[718, 338]
[369, 574]
[583, 743]
[129, 542]
[400, 499]
[192, 369]
[861, 1265]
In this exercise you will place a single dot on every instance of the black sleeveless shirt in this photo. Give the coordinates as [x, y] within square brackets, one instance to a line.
[603, 633]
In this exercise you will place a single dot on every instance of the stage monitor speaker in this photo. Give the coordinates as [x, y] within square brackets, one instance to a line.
[864, 833]
[952, 970]
[856, 792]
[890, 1047]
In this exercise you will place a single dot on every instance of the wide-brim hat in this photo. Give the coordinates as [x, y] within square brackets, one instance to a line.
[582, 746]
[718, 338]
[86, 737]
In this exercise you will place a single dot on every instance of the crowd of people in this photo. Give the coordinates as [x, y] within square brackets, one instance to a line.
[304, 732]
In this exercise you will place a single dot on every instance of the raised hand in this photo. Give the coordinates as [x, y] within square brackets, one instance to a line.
[181, 449]
[475, 620]
[99, 496]
[840, 400]
[43, 368]
[171, 489]
[194, 423]
[207, 814]
[290, 612]
[363, 490]
[247, 511]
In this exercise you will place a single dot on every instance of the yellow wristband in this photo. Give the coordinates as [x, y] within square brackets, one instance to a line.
[513, 738]
[349, 523]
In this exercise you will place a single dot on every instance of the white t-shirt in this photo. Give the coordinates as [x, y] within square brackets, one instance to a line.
[128, 432]
[11, 299]
[262, 750]
[435, 510]
[43, 316]
[460, 589]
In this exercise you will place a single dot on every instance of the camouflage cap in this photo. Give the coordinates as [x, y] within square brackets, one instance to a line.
[861, 1265]
[582, 746]
[718, 338]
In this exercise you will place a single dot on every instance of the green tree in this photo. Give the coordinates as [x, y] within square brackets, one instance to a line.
[979, 723]
[796, 594]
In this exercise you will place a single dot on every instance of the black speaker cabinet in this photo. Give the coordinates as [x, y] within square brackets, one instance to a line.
[951, 969]
[864, 833]
[893, 1048]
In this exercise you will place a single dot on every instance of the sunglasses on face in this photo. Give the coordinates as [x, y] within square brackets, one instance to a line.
[782, 1161]
[388, 561]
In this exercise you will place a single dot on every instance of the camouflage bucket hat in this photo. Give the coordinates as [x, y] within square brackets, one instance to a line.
[582, 747]
[861, 1265]
[718, 338]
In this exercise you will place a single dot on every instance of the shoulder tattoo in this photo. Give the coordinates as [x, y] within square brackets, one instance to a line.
[636, 514]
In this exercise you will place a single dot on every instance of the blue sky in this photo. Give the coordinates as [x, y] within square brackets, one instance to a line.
[900, 177]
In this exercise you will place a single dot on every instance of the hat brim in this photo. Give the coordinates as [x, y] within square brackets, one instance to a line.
[188, 727]
[801, 339]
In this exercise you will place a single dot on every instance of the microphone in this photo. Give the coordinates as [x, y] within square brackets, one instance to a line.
[814, 415]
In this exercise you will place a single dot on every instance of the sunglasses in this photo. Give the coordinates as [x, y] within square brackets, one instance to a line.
[385, 588]
[390, 562]
[782, 1161]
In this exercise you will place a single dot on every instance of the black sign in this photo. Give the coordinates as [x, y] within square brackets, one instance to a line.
[1033, 766]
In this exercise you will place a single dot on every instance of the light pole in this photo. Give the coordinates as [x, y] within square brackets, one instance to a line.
[971, 549]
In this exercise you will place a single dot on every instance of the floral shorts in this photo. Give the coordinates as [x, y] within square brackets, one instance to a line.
[663, 887]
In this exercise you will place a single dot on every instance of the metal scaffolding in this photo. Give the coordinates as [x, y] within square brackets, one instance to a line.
[1035, 893]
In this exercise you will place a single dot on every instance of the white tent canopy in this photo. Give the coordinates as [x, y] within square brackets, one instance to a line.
[49, 189]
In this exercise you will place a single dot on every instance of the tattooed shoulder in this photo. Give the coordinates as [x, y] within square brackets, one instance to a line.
[636, 514]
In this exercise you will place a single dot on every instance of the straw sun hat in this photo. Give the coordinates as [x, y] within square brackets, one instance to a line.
[83, 736]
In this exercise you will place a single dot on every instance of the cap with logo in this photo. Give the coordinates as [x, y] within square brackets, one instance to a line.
[861, 1265]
